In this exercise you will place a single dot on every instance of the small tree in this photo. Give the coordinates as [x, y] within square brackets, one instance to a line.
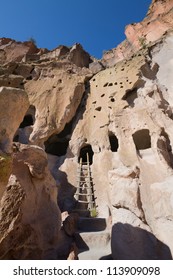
[143, 42]
[31, 39]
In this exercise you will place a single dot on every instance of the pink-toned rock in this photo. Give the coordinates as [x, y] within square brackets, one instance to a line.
[157, 21]
[15, 51]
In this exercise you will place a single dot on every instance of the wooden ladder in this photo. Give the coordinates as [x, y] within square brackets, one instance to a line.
[85, 191]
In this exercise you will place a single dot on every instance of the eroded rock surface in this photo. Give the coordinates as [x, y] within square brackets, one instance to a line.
[57, 107]
[13, 105]
[30, 218]
[138, 35]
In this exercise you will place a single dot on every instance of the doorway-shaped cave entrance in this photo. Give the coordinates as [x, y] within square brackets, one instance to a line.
[29, 118]
[56, 146]
[113, 142]
[83, 154]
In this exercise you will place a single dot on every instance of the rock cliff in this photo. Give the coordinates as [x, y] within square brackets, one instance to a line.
[67, 118]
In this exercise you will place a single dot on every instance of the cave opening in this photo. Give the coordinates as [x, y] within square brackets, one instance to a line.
[27, 121]
[142, 139]
[29, 118]
[87, 149]
[56, 146]
[25, 129]
[113, 142]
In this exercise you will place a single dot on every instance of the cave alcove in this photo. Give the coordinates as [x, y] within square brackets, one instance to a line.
[113, 142]
[142, 139]
[87, 149]
[29, 118]
[27, 121]
[56, 146]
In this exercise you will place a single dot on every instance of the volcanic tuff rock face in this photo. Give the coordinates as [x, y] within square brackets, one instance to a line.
[157, 22]
[69, 104]
[30, 218]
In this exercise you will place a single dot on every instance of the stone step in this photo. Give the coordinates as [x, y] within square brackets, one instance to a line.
[90, 240]
[91, 224]
[96, 254]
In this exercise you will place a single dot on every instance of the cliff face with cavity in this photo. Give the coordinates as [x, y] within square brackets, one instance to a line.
[56, 106]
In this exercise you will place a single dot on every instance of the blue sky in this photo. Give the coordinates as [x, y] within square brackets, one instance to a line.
[97, 24]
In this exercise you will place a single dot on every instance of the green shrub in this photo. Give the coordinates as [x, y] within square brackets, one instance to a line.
[93, 212]
[142, 42]
[31, 39]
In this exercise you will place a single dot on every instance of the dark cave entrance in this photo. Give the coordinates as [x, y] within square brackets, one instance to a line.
[23, 132]
[27, 121]
[58, 147]
[83, 154]
[142, 139]
[29, 118]
[57, 144]
[113, 142]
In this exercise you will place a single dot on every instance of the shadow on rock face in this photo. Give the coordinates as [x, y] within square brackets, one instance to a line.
[134, 243]
[66, 201]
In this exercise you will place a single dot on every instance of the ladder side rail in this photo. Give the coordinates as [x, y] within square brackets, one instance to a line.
[79, 181]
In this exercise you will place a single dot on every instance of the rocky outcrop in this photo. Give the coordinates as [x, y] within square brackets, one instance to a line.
[138, 35]
[30, 218]
[116, 115]
[13, 105]
[35, 221]
[56, 99]
[128, 157]
[75, 54]
[133, 240]
[10, 50]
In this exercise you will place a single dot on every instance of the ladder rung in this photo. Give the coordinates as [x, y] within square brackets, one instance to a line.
[85, 176]
[81, 187]
[83, 201]
[84, 194]
[82, 181]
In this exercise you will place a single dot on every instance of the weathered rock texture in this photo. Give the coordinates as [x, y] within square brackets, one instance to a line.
[29, 215]
[11, 51]
[13, 105]
[119, 110]
[157, 22]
